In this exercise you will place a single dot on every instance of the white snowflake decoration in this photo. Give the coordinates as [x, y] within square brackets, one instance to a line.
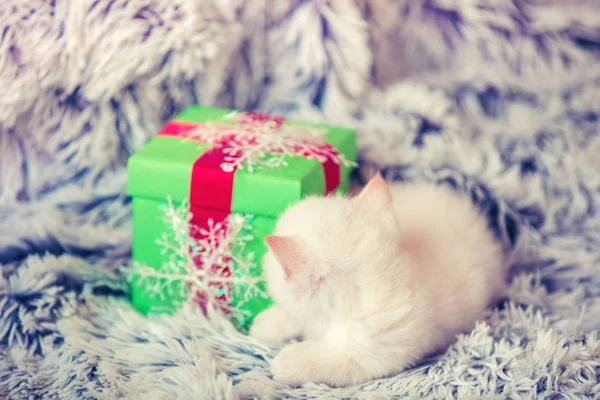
[211, 284]
[253, 144]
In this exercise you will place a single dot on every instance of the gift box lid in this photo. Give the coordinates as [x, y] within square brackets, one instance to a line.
[243, 162]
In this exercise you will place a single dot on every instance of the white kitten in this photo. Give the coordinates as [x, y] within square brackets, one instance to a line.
[376, 282]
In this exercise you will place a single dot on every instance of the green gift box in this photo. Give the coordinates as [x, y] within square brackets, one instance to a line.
[234, 173]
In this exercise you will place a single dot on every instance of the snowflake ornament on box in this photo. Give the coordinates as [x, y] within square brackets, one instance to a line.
[251, 142]
[201, 263]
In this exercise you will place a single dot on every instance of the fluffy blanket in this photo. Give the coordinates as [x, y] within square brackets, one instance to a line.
[498, 98]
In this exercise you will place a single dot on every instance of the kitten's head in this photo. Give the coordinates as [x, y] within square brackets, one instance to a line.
[320, 239]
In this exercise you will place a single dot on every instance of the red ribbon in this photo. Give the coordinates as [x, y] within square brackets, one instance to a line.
[199, 220]
[215, 203]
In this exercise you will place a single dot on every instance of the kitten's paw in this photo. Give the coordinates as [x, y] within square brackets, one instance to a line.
[290, 366]
[273, 327]
[316, 362]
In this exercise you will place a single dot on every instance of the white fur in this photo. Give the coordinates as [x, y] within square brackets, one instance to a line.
[398, 282]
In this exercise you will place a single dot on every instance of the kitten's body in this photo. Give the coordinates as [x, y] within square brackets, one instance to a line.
[376, 282]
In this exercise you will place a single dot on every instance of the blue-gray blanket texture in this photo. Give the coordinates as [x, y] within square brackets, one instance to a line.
[500, 98]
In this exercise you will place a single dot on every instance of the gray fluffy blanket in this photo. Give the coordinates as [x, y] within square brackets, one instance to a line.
[497, 98]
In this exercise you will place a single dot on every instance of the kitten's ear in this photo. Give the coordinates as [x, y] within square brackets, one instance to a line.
[288, 252]
[376, 191]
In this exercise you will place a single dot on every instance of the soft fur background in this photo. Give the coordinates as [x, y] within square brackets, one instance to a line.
[499, 98]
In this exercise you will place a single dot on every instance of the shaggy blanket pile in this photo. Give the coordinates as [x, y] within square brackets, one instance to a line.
[497, 98]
